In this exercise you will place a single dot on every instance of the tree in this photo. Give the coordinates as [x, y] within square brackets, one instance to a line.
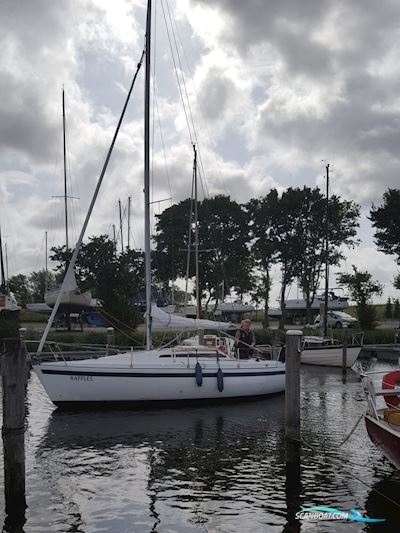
[263, 213]
[19, 286]
[223, 245]
[114, 279]
[342, 230]
[396, 310]
[172, 242]
[388, 309]
[362, 288]
[386, 220]
[38, 283]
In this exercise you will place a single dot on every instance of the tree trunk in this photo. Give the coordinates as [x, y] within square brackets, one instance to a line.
[283, 307]
[266, 295]
[308, 308]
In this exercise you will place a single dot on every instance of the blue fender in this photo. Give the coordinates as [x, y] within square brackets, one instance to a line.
[220, 380]
[199, 374]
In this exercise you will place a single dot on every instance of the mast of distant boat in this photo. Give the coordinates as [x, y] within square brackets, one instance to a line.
[196, 235]
[3, 276]
[326, 253]
[65, 177]
[46, 281]
[147, 248]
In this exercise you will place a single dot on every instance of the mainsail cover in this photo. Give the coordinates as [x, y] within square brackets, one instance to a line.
[168, 320]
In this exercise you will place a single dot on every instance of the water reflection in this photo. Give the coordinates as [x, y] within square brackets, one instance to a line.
[196, 460]
[205, 469]
[383, 501]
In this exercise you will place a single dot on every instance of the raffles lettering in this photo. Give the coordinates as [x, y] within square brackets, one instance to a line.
[82, 378]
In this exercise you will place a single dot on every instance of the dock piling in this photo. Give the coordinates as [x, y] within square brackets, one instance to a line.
[292, 387]
[14, 378]
[110, 339]
[344, 356]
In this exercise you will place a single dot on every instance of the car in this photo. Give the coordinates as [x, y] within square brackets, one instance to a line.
[338, 319]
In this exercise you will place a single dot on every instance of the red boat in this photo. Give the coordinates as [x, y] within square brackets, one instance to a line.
[383, 424]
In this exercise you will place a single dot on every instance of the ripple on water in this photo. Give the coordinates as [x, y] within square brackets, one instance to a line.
[203, 469]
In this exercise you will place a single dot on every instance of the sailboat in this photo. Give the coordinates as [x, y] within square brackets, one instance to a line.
[73, 300]
[324, 350]
[178, 374]
[8, 305]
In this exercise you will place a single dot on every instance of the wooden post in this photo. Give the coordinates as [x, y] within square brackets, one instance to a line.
[292, 387]
[293, 487]
[322, 311]
[344, 357]
[14, 379]
[110, 338]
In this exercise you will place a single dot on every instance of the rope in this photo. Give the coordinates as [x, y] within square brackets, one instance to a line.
[352, 431]
[336, 461]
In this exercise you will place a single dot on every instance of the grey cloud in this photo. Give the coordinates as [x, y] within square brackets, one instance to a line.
[216, 94]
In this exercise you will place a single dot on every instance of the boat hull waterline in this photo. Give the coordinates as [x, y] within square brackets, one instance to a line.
[385, 438]
[83, 381]
[330, 356]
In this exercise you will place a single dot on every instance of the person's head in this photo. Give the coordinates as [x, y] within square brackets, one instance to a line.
[245, 324]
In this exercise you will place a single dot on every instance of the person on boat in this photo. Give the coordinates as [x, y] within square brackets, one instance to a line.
[245, 340]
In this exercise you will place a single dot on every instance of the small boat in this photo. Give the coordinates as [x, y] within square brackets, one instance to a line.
[383, 424]
[180, 374]
[8, 305]
[73, 301]
[327, 352]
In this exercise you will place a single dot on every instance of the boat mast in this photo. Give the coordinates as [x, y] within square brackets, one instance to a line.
[65, 174]
[196, 235]
[129, 222]
[326, 253]
[120, 226]
[45, 262]
[3, 277]
[147, 248]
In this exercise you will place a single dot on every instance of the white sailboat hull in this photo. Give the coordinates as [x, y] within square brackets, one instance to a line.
[70, 300]
[105, 381]
[329, 356]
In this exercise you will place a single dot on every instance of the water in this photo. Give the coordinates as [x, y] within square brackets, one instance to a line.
[205, 469]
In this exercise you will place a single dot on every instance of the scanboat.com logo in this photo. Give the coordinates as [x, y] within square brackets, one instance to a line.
[328, 513]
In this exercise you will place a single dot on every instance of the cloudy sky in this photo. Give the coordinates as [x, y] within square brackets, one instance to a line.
[274, 88]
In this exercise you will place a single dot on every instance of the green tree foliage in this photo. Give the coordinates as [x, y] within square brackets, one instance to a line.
[263, 213]
[388, 313]
[39, 281]
[342, 229]
[27, 289]
[114, 279]
[223, 243]
[291, 230]
[172, 242]
[396, 309]
[386, 221]
[362, 288]
[19, 286]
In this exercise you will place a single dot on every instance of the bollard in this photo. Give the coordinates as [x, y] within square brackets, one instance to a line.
[14, 378]
[201, 336]
[344, 356]
[110, 338]
[292, 387]
[322, 311]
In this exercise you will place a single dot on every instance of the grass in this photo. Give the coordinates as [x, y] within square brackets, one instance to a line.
[30, 316]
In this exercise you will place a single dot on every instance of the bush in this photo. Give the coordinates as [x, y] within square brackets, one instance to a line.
[366, 315]
[9, 327]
